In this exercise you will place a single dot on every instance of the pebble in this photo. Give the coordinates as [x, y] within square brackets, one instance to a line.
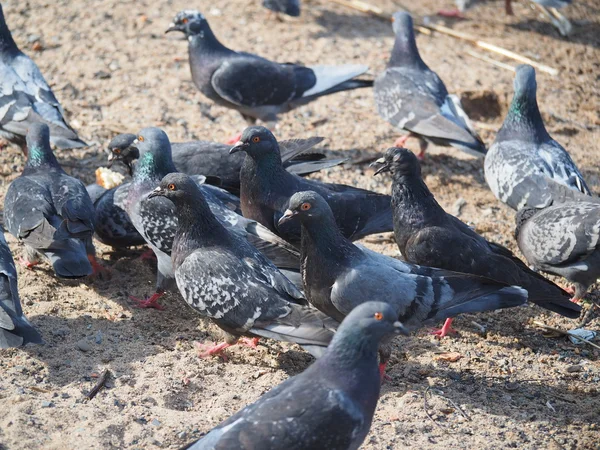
[83, 345]
[459, 204]
[155, 423]
[47, 404]
[182, 435]
[574, 369]
[99, 337]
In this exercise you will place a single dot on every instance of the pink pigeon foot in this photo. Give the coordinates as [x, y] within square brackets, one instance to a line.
[445, 330]
[232, 140]
[207, 350]
[453, 13]
[248, 342]
[28, 264]
[401, 141]
[151, 302]
[382, 375]
[98, 270]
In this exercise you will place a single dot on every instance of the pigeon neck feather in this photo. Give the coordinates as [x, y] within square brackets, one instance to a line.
[40, 156]
[405, 52]
[154, 166]
[7, 42]
[524, 121]
[412, 196]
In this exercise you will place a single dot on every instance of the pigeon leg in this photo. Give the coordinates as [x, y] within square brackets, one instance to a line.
[98, 271]
[445, 330]
[206, 350]
[508, 8]
[151, 302]
[401, 141]
[248, 342]
[148, 255]
[454, 13]
[422, 148]
[28, 264]
[382, 375]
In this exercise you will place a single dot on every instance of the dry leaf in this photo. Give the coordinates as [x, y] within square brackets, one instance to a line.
[450, 357]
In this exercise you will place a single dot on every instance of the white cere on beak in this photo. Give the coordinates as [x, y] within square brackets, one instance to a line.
[380, 161]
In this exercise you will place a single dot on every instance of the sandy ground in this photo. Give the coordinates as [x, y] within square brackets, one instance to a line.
[114, 70]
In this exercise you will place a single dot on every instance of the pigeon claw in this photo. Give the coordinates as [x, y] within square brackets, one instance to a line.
[151, 302]
[445, 330]
[382, 375]
[28, 264]
[148, 255]
[209, 349]
[98, 270]
[248, 342]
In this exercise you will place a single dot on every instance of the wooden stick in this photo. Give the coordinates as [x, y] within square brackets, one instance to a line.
[99, 385]
[566, 333]
[378, 12]
[492, 61]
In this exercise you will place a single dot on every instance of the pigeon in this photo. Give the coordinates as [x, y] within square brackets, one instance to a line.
[550, 9]
[266, 188]
[223, 277]
[51, 212]
[15, 329]
[463, 5]
[156, 220]
[26, 98]
[289, 7]
[329, 406]
[212, 159]
[427, 235]
[413, 98]
[524, 156]
[563, 240]
[339, 275]
[254, 86]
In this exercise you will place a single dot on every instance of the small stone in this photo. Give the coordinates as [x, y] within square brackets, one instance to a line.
[102, 75]
[155, 423]
[99, 337]
[182, 435]
[65, 395]
[84, 345]
[459, 204]
[47, 404]
[574, 369]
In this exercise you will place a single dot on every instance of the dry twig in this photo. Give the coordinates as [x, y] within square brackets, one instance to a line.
[99, 385]
[565, 333]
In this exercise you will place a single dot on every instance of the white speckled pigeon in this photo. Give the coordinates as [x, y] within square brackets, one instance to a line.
[212, 158]
[289, 7]
[563, 240]
[339, 275]
[15, 329]
[524, 156]
[266, 188]
[254, 86]
[51, 212]
[411, 97]
[156, 221]
[329, 406]
[427, 235]
[228, 280]
[26, 98]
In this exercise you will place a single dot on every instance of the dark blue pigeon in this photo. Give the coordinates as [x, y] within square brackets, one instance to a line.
[15, 329]
[412, 97]
[51, 212]
[156, 221]
[266, 188]
[524, 163]
[429, 236]
[329, 406]
[223, 277]
[26, 98]
[289, 7]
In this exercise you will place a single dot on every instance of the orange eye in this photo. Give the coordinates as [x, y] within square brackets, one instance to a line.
[184, 20]
[378, 316]
[172, 187]
[116, 150]
[141, 138]
[305, 206]
[256, 139]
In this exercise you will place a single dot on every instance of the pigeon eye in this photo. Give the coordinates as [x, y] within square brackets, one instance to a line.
[378, 316]
[116, 150]
[172, 187]
[305, 206]
[141, 138]
[184, 20]
[256, 139]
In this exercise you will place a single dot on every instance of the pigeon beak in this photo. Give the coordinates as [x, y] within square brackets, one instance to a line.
[400, 329]
[384, 166]
[287, 216]
[172, 27]
[238, 147]
[156, 192]
[111, 158]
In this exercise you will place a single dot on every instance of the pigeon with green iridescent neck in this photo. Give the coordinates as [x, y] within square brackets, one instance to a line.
[26, 98]
[51, 212]
[524, 156]
[156, 221]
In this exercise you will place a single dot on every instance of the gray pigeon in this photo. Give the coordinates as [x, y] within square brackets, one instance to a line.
[329, 406]
[212, 158]
[550, 9]
[563, 240]
[26, 98]
[413, 98]
[155, 219]
[228, 280]
[289, 7]
[524, 156]
[266, 188]
[15, 329]
[254, 86]
[338, 275]
[50, 211]
[427, 235]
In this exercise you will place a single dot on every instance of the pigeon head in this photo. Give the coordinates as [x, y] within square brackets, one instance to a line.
[176, 187]
[38, 149]
[399, 161]
[6, 41]
[525, 83]
[190, 22]
[365, 327]
[120, 149]
[405, 52]
[306, 206]
[154, 150]
[257, 142]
